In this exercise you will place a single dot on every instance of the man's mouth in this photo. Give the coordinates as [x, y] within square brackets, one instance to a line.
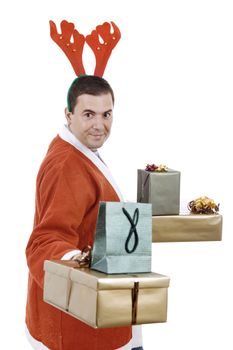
[97, 135]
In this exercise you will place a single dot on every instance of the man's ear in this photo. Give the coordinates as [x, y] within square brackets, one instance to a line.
[68, 116]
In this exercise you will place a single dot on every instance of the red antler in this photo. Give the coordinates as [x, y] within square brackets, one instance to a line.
[103, 51]
[73, 50]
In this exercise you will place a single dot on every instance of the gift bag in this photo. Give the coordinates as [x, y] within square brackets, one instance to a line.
[123, 238]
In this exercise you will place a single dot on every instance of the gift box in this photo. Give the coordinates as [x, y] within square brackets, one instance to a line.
[187, 228]
[162, 189]
[102, 300]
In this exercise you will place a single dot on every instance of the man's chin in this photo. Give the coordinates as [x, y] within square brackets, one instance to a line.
[96, 144]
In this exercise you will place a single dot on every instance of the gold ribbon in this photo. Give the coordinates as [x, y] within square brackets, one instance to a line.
[203, 205]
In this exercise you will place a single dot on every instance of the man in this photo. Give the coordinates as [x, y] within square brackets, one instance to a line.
[71, 182]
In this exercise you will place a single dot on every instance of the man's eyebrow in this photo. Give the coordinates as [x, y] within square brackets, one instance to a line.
[88, 111]
[93, 112]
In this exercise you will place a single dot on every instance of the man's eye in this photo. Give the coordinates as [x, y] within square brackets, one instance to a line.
[88, 115]
[107, 115]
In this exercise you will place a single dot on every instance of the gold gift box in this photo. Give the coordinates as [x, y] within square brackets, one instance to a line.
[187, 228]
[102, 300]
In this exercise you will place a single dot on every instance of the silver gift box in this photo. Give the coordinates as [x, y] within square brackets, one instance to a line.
[162, 189]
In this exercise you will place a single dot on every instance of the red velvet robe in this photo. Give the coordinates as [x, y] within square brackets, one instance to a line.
[69, 189]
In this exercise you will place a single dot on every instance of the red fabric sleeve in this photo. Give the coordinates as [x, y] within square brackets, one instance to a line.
[63, 198]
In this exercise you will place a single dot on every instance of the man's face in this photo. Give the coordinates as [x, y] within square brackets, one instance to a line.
[92, 119]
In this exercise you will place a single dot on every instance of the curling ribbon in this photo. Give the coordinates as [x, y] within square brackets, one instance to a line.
[203, 205]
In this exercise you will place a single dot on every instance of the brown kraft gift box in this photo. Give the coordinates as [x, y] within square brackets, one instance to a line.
[102, 300]
[187, 228]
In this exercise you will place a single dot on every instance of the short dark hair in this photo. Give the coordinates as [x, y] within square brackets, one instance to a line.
[87, 84]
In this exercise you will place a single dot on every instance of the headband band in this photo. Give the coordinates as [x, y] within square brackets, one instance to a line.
[68, 94]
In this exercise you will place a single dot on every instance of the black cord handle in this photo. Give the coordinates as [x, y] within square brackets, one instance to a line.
[132, 230]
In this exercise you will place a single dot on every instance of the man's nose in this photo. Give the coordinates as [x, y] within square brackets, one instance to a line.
[98, 122]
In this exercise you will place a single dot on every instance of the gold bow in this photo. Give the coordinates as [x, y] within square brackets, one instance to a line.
[203, 205]
[162, 168]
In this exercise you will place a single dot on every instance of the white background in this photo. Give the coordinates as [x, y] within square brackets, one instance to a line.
[173, 80]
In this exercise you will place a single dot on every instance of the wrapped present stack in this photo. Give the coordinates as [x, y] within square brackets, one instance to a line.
[118, 288]
[160, 186]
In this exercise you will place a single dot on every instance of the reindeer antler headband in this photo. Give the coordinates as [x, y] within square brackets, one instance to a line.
[74, 49]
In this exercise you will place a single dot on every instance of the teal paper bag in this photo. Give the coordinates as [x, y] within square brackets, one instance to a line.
[123, 238]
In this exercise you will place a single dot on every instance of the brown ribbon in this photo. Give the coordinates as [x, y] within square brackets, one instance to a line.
[143, 187]
[135, 291]
[84, 259]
